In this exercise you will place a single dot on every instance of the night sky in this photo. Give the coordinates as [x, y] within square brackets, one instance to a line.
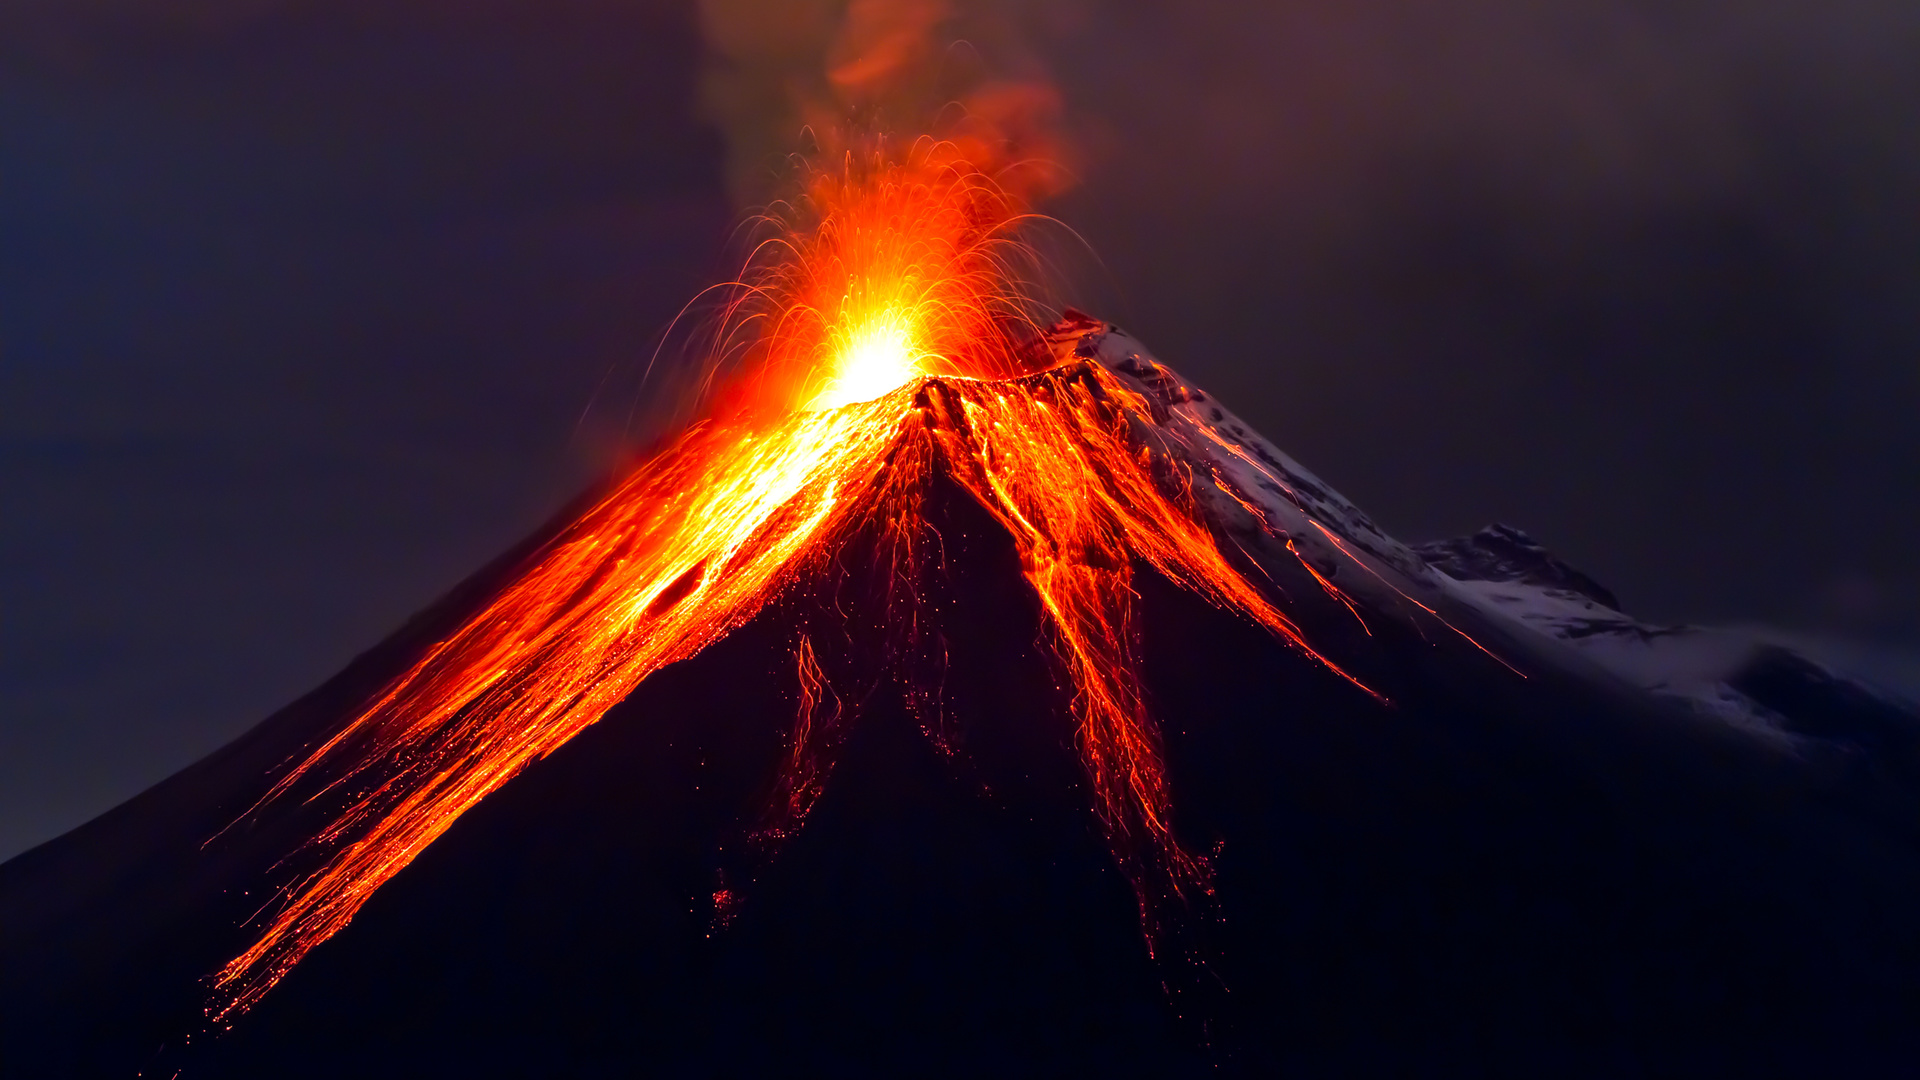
[309, 307]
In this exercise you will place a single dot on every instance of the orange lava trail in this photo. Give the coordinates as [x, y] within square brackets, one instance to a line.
[1054, 458]
[1260, 467]
[1328, 533]
[803, 775]
[683, 552]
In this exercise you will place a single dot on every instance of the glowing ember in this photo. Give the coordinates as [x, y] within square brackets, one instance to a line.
[888, 341]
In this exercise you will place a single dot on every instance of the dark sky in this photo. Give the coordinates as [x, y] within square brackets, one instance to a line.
[302, 304]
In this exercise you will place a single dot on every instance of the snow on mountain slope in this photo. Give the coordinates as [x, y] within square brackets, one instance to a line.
[1748, 680]
[1744, 677]
[1243, 481]
[1505, 572]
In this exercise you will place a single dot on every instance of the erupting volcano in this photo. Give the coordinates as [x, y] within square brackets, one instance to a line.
[1370, 804]
[891, 344]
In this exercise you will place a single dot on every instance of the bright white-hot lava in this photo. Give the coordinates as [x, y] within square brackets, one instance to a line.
[877, 356]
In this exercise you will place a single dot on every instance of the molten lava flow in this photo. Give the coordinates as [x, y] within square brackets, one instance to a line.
[890, 342]
[1056, 459]
[804, 774]
[678, 555]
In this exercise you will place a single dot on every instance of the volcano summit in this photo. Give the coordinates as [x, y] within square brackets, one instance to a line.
[1054, 723]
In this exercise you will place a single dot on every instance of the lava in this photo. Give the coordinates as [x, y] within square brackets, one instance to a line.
[882, 337]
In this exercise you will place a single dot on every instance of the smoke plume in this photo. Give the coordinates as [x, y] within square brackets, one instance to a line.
[791, 80]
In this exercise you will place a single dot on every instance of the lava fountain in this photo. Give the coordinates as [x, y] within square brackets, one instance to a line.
[885, 334]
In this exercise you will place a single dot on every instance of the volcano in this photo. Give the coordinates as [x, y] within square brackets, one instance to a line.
[1216, 777]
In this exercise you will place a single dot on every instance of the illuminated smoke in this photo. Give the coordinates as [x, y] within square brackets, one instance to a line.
[817, 78]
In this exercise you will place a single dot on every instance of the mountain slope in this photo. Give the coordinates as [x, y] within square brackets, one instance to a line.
[1509, 859]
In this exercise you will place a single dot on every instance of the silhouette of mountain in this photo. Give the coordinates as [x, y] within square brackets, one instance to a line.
[1517, 860]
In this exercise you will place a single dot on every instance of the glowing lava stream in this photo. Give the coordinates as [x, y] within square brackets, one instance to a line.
[708, 530]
